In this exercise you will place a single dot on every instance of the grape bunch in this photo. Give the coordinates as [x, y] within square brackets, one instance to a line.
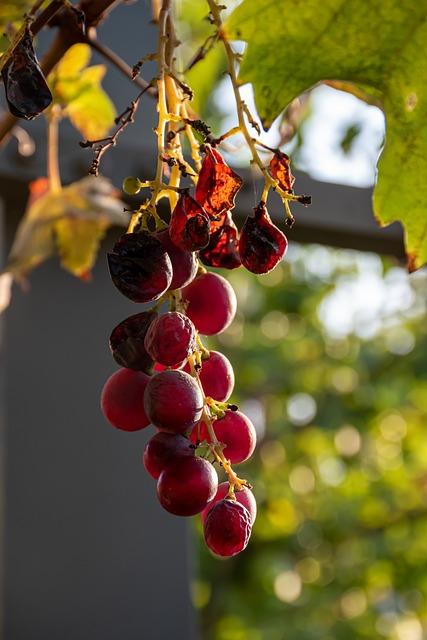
[168, 378]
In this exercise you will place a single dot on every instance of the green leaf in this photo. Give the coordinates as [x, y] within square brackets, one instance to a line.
[377, 50]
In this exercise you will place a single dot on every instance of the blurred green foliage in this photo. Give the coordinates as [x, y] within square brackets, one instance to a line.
[330, 355]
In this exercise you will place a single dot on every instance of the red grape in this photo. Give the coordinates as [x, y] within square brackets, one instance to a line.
[227, 528]
[238, 433]
[171, 338]
[235, 431]
[187, 485]
[173, 401]
[122, 399]
[216, 376]
[162, 449]
[184, 263]
[127, 341]
[139, 267]
[244, 496]
[211, 303]
[161, 367]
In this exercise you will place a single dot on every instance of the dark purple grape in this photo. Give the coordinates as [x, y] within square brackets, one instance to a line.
[27, 92]
[164, 448]
[184, 263]
[186, 486]
[171, 338]
[140, 267]
[127, 341]
[227, 528]
[173, 401]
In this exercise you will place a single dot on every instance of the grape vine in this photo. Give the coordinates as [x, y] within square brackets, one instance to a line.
[169, 378]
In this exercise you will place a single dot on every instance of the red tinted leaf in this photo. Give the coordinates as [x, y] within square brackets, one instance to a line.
[223, 248]
[262, 244]
[189, 225]
[281, 171]
[217, 222]
[217, 185]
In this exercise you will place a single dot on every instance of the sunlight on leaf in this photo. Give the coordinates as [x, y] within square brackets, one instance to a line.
[72, 222]
[377, 51]
[92, 113]
[77, 88]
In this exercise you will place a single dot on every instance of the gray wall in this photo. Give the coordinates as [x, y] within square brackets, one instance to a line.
[89, 552]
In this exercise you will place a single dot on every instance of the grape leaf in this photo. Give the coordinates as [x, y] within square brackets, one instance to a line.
[78, 89]
[377, 50]
[72, 221]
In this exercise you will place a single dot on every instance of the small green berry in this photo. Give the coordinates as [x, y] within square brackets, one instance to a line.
[131, 185]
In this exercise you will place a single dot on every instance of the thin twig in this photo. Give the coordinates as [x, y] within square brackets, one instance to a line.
[120, 64]
[69, 33]
[244, 112]
[34, 24]
[203, 50]
[52, 150]
[36, 6]
[102, 145]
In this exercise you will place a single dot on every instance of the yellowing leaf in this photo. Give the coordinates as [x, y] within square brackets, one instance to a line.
[33, 240]
[74, 60]
[78, 90]
[92, 113]
[78, 242]
[76, 217]
[377, 50]
[93, 75]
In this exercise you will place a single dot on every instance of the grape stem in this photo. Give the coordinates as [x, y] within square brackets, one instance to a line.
[172, 111]
[236, 483]
[53, 172]
[161, 100]
[243, 110]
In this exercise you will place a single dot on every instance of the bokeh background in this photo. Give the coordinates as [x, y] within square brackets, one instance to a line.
[330, 354]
